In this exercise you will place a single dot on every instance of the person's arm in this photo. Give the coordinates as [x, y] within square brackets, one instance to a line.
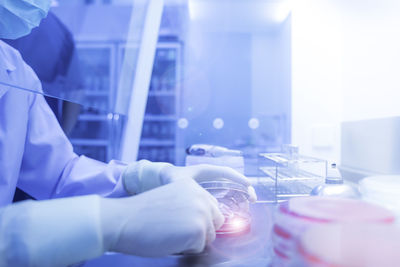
[144, 175]
[50, 233]
[50, 168]
[179, 217]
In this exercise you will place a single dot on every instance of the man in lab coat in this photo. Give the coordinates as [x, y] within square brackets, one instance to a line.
[169, 212]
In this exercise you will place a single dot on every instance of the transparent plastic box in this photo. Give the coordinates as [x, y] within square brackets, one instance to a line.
[288, 174]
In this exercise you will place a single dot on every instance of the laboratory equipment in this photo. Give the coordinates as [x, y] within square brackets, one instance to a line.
[382, 190]
[214, 155]
[212, 151]
[233, 202]
[289, 174]
[334, 186]
[367, 245]
[297, 215]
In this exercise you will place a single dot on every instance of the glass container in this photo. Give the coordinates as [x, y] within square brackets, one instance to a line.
[233, 201]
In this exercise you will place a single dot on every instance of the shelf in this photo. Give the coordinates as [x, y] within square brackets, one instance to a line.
[93, 117]
[156, 142]
[90, 142]
[96, 93]
[283, 159]
[100, 90]
[289, 175]
[104, 117]
[160, 118]
[162, 93]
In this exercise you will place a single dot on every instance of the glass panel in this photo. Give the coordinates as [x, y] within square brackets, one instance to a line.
[159, 131]
[227, 83]
[216, 79]
[74, 53]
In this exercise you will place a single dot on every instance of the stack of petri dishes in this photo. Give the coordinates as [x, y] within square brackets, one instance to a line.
[382, 190]
[297, 215]
[233, 201]
[350, 245]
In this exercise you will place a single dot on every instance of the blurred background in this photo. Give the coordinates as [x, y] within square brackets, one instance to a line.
[154, 77]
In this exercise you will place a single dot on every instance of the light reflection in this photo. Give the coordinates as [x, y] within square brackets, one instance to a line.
[218, 123]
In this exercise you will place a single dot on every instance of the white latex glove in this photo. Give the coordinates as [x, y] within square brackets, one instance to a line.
[178, 217]
[50, 233]
[203, 173]
[145, 175]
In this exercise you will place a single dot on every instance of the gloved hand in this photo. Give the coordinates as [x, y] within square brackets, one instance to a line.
[178, 217]
[145, 175]
[203, 173]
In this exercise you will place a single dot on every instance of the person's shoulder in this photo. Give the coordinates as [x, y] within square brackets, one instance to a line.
[9, 55]
[21, 73]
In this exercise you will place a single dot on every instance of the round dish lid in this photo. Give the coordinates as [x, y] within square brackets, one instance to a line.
[329, 209]
[355, 245]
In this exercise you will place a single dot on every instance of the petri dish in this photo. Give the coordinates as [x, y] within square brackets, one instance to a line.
[233, 202]
[296, 216]
[329, 209]
[356, 245]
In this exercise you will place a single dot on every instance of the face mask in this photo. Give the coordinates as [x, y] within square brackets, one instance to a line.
[19, 17]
